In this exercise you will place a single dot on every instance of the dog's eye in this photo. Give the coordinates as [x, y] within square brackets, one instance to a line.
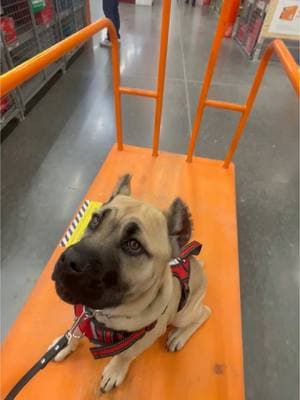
[133, 247]
[95, 221]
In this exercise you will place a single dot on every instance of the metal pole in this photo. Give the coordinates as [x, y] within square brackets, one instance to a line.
[213, 57]
[164, 34]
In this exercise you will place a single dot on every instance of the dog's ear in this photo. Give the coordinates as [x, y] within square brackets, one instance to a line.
[123, 187]
[179, 225]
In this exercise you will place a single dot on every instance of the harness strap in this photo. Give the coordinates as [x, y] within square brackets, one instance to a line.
[191, 249]
[122, 345]
[181, 269]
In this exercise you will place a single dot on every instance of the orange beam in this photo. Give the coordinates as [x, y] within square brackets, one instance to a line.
[289, 64]
[225, 105]
[212, 60]
[292, 71]
[234, 10]
[28, 69]
[138, 92]
[164, 35]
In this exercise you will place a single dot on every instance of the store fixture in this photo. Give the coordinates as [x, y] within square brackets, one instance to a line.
[281, 21]
[10, 106]
[250, 23]
[28, 27]
[255, 29]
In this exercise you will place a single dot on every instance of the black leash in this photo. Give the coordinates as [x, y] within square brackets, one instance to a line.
[48, 356]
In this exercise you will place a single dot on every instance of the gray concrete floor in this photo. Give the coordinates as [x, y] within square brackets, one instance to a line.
[50, 159]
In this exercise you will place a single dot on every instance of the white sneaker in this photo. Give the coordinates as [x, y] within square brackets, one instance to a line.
[105, 43]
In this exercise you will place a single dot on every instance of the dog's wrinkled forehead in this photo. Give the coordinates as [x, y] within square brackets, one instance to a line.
[124, 213]
[147, 215]
[150, 220]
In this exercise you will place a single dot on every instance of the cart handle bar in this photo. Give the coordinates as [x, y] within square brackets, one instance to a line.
[276, 46]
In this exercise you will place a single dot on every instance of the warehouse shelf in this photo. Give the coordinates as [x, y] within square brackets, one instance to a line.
[12, 113]
[30, 34]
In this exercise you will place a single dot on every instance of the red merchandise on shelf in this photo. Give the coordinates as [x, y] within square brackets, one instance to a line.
[251, 21]
[241, 34]
[253, 35]
[7, 26]
[4, 104]
[46, 15]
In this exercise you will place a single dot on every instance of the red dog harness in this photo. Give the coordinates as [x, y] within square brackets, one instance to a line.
[111, 342]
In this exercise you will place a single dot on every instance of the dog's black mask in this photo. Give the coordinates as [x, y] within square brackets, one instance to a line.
[90, 277]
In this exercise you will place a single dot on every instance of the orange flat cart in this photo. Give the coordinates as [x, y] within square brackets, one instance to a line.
[210, 366]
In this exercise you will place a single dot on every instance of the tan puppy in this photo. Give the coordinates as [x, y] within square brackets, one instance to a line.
[120, 268]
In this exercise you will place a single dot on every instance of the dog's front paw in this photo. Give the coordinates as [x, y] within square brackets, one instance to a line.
[179, 336]
[113, 374]
[176, 339]
[65, 351]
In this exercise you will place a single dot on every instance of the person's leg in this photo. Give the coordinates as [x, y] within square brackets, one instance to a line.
[111, 11]
[108, 6]
[108, 11]
[117, 17]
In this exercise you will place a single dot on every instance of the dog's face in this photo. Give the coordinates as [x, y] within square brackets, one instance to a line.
[124, 251]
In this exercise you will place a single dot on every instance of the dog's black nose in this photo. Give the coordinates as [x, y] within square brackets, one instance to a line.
[72, 259]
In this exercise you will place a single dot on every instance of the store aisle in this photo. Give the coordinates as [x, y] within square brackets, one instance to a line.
[50, 159]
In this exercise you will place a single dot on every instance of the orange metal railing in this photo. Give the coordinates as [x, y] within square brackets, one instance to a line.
[25, 71]
[287, 61]
[292, 72]
[28, 69]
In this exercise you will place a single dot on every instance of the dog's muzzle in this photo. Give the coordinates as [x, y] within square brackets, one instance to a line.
[75, 261]
[82, 275]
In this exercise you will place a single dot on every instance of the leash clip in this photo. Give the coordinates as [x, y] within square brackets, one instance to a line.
[86, 314]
